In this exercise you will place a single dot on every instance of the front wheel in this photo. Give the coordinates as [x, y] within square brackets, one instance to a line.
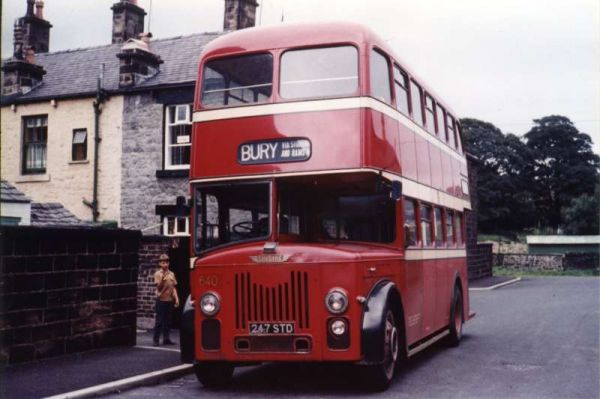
[214, 374]
[379, 376]
[456, 319]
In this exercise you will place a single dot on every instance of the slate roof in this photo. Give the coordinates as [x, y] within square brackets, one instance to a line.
[54, 214]
[74, 73]
[9, 193]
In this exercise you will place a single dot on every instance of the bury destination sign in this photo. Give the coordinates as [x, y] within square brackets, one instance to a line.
[274, 151]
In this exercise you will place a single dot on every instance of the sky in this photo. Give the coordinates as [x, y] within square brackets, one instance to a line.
[502, 61]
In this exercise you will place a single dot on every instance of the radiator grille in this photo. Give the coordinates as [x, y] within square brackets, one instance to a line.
[287, 301]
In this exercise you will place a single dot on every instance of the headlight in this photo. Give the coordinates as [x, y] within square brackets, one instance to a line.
[210, 304]
[338, 327]
[336, 301]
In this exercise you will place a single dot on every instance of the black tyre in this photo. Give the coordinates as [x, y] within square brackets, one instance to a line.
[379, 376]
[456, 319]
[214, 374]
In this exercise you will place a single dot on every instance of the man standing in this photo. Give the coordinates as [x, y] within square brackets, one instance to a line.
[166, 299]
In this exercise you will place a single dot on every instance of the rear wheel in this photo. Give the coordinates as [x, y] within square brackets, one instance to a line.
[214, 374]
[379, 376]
[456, 319]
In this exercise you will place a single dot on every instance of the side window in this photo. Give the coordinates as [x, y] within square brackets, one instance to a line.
[450, 125]
[401, 87]
[176, 226]
[380, 77]
[429, 115]
[449, 227]
[439, 232]
[178, 134]
[425, 224]
[35, 138]
[410, 222]
[417, 103]
[79, 145]
[459, 229]
[441, 126]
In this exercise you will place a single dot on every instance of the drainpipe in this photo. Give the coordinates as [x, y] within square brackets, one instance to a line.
[100, 99]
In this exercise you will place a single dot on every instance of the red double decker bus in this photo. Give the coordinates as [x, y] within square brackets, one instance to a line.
[328, 187]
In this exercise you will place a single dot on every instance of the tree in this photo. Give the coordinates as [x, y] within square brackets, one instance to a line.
[562, 167]
[582, 216]
[504, 201]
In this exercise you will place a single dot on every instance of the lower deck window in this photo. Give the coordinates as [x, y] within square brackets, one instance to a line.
[425, 225]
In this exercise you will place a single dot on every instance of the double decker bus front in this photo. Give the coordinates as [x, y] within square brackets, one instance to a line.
[284, 264]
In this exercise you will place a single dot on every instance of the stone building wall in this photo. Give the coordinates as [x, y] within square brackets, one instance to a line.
[66, 290]
[141, 189]
[66, 181]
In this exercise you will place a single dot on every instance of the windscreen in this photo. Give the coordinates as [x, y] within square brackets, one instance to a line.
[319, 72]
[235, 81]
[314, 210]
[230, 213]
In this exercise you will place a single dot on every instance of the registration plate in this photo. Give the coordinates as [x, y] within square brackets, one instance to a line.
[271, 328]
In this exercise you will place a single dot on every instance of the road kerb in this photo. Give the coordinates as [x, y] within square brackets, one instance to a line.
[127, 383]
[493, 287]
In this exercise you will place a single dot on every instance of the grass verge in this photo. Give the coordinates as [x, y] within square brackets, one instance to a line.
[504, 271]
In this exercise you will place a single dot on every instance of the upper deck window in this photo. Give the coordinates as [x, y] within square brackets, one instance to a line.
[401, 85]
[441, 126]
[319, 72]
[429, 114]
[380, 77]
[237, 80]
[450, 126]
[417, 103]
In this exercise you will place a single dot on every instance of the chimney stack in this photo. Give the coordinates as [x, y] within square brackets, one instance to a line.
[137, 62]
[239, 14]
[36, 30]
[31, 35]
[128, 21]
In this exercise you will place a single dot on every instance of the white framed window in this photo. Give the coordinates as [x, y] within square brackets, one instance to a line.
[176, 226]
[178, 136]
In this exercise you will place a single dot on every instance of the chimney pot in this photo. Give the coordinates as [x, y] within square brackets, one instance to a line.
[39, 9]
[30, 8]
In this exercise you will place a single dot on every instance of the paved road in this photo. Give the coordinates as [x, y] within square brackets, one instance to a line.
[538, 338]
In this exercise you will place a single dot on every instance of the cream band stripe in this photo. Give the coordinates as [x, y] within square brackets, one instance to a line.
[323, 105]
[410, 188]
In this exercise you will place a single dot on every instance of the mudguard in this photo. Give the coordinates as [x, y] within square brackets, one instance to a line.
[373, 322]
[186, 332]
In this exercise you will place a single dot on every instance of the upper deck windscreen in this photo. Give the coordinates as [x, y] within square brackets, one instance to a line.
[319, 72]
[237, 80]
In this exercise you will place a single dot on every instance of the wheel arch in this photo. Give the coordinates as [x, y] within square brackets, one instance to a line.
[383, 295]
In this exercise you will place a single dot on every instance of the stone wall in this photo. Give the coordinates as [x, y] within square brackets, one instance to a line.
[150, 249]
[479, 256]
[559, 262]
[141, 189]
[480, 262]
[66, 290]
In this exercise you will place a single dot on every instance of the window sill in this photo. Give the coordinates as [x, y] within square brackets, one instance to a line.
[79, 162]
[33, 178]
[173, 173]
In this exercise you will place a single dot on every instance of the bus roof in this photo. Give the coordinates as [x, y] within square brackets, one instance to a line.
[301, 34]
